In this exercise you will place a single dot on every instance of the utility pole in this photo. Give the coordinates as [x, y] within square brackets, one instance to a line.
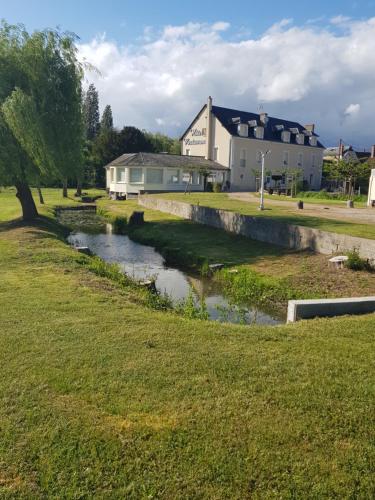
[261, 206]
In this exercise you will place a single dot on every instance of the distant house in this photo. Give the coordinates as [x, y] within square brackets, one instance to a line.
[347, 153]
[137, 173]
[236, 139]
[343, 152]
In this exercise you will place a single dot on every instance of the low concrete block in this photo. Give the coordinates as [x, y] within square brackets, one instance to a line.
[307, 309]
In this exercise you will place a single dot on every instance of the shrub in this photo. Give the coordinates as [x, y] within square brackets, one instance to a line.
[120, 224]
[190, 309]
[205, 268]
[217, 187]
[356, 263]
[324, 195]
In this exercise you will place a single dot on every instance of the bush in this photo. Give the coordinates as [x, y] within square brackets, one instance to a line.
[120, 224]
[356, 263]
[209, 187]
[324, 195]
[217, 186]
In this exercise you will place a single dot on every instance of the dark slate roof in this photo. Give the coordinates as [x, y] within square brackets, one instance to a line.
[226, 115]
[165, 160]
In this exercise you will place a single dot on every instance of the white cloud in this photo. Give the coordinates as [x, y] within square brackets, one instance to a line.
[220, 26]
[340, 19]
[301, 73]
[352, 110]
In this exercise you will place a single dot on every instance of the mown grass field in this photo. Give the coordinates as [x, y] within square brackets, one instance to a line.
[283, 214]
[102, 397]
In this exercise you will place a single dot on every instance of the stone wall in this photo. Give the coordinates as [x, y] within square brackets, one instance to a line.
[265, 229]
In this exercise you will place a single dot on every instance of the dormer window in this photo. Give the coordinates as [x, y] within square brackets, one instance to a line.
[259, 132]
[313, 141]
[285, 158]
[300, 139]
[285, 136]
[243, 130]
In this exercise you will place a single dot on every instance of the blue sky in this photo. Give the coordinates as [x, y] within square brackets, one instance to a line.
[124, 21]
[159, 60]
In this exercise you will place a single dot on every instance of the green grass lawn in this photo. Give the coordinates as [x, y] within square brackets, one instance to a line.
[314, 201]
[283, 214]
[11, 209]
[102, 397]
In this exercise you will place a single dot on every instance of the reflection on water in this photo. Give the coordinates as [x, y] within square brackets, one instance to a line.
[142, 262]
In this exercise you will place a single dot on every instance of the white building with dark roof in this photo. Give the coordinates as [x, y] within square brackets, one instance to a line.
[137, 173]
[236, 139]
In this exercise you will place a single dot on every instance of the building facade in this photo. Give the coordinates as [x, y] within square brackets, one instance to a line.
[236, 140]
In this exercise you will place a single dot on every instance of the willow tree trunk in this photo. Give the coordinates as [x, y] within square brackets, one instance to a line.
[79, 188]
[41, 199]
[29, 211]
[65, 188]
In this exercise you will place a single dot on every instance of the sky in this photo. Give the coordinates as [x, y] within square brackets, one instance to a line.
[157, 61]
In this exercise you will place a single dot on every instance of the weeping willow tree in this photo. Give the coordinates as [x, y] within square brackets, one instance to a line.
[41, 128]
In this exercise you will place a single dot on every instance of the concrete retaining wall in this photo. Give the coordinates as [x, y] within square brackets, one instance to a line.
[306, 309]
[265, 229]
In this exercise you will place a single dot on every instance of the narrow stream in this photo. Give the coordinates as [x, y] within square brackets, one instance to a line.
[144, 262]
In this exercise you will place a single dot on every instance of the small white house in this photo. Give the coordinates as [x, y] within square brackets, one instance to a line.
[138, 173]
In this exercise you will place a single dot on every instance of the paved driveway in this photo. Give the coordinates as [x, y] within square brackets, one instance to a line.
[359, 215]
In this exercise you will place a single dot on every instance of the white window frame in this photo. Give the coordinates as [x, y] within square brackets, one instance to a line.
[286, 158]
[300, 160]
[285, 136]
[171, 175]
[152, 171]
[131, 170]
[243, 154]
[300, 139]
[120, 170]
[259, 132]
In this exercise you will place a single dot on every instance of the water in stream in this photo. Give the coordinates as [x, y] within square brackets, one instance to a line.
[144, 262]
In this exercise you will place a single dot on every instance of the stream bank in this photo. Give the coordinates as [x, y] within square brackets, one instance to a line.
[187, 290]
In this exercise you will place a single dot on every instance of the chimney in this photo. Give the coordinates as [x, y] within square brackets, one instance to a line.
[209, 127]
[310, 127]
[341, 150]
[263, 118]
[373, 151]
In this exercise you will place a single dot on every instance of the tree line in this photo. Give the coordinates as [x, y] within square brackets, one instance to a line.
[104, 142]
[51, 132]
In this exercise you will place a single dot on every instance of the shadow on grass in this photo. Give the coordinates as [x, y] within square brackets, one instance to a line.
[215, 245]
[44, 227]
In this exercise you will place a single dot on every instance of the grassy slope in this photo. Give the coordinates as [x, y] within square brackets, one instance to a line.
[283, 214]
[100, 396]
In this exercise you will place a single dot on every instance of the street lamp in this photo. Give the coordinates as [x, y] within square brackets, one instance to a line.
[261, 206]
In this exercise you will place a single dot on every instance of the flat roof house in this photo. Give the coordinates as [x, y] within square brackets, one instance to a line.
[137, 173]
[236, 139]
